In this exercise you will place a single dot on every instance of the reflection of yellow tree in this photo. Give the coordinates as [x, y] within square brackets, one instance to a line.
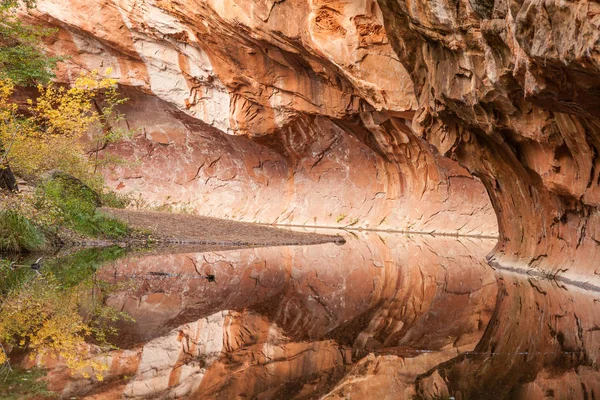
[46, 134]
[45, 318]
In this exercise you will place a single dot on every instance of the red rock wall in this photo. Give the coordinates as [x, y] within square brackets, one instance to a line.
[314, 171]
[511, 90]
[318, 113]
[508, 90]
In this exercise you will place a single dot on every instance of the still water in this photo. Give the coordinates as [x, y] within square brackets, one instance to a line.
[381, 317]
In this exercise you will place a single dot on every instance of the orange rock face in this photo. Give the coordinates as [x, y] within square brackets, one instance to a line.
[468, 116]
[511, 90]
[345, 109]
[241, 114]
[313, 172]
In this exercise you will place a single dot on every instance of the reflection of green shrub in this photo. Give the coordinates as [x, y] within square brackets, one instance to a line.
[70, 270]
[78, 204]
[74, 268]
[19, 234]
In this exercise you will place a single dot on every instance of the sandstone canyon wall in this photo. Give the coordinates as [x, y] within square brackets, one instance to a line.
[291, 112]
[511, 90]
[340, 113]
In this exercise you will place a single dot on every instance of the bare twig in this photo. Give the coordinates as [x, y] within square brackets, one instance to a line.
[13, 140]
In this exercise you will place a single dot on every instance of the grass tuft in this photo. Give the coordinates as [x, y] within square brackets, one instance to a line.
[18, 234]
[113, 199]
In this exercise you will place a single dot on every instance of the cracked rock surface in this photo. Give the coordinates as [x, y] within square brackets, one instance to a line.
[511, 90]
[470, 116]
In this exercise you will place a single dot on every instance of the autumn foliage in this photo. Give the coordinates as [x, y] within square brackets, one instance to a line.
[46, 132]
[40, 314]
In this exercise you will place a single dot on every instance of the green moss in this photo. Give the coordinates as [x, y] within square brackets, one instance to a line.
[63, 201]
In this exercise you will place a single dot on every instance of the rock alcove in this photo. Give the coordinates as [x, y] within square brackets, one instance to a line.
[457, 117]
[476, 118]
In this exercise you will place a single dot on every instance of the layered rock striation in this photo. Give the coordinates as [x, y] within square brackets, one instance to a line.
[385, 316]
[290, 322]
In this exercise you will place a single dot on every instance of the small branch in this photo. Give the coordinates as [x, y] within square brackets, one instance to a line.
[13, 140]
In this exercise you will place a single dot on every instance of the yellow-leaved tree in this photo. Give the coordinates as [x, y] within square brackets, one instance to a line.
[42, 134]
[46, 132]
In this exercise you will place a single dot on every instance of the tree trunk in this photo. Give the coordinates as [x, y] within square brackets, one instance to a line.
[7, 179]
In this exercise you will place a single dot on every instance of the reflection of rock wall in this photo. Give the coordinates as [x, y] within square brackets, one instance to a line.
[326, 97]
[541, 339]
[292, 321]
[311, 291]
[385, 316]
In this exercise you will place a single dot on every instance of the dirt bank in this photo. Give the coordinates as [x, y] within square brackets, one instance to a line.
[170, 228]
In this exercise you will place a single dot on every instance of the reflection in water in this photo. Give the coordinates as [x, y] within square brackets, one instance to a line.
[384, 316]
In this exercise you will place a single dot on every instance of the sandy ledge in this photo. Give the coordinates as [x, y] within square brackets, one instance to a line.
[186, 229]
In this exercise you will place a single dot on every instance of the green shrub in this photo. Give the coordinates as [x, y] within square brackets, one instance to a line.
[113, 199]
[78, 204]
[19, 234]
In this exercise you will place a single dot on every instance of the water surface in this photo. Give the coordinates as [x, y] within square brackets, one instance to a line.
[383, 316]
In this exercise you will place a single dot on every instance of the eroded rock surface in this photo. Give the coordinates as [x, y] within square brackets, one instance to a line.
[511, 89]
[319, 110]
[346, 102]
[389, 114]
